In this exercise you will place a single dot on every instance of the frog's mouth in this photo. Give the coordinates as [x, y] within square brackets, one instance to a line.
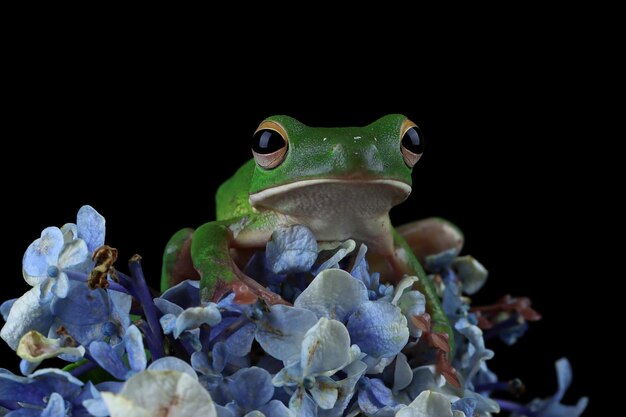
[333, 199]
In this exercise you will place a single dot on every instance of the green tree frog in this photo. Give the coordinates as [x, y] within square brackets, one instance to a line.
[339, 182]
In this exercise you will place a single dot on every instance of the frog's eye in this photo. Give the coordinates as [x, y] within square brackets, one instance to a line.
[412, 143]
[269, 144]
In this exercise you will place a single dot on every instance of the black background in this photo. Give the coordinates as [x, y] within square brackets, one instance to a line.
[148, 148]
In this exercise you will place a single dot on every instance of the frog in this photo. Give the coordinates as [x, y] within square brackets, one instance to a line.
[341, 183]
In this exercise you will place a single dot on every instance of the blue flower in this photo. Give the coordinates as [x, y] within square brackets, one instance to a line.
[291, 249]
[110, 358]
[249, 390]
[44, 267]
[324, 351]
[552, 407]
[47, 392]
[183, 315]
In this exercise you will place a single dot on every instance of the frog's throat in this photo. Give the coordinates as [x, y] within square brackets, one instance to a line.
[395, 191]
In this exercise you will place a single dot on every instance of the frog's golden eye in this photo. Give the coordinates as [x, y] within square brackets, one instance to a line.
[412, 143]
[269, 144]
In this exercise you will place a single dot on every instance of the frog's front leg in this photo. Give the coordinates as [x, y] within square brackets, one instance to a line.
[210, 253]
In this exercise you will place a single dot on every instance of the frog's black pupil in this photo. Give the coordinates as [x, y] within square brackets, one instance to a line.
[267, 141]
[413, 140]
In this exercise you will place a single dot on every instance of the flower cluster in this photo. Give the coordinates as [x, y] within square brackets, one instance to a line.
[348, 344]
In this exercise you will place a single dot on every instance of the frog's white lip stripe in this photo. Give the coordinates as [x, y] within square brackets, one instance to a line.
[281, 189]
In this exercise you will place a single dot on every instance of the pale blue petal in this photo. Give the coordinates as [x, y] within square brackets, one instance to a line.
[239, 343]
[168, 322]
[334, 294]
[200, 363]
[255, 413]
[70, 232]
[96, 407]
[5, 308]
[46, 294]
[477, 353]
[440, 261]
[360, 270]
[302, 404]
[172, 363]
[325, 348]
[325, 392]
[27, 367]
[376, 399]
[186, 294]
[281, 331]
[289, 376]
[251, 387]
[402, 375]
[346, 389]
[120, 307]
[133, 342]
[276, 409]
[223, 411]
[108, 359]
[73, 254]
[91, 227]
[61, 285]
[465, 405]
[167, 307]
[345, 248]
[83, 306]
[220, 356]
[412, 303]
[194, 317]
[379, 328]
[55, 407]
[291, 249]
[26, 314]
[42, 253]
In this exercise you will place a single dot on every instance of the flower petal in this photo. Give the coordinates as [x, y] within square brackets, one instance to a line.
[83, 306]
[429, 404]
[73, 254]
[61, 285]
[345, 248]
[402, 375]
[35, 347]
[26, 314]
[133, 341]
[42, 253]
[281, 331]
[276, 409]
[251, 387]
[325, 348]
[302, 405]
[325, 392]
[108, 359]
[379, 328]
[334, 294]
[91, 227]
[55, 407]
[291, 249]
[172, 363]
[5, 308]
[151, 393]
[194, 317]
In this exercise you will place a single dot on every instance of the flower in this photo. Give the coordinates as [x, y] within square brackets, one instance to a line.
[47, 392]
[248, 391]
[151, 393]
[110, 358]
[324, 351]
[44, 268]
[430, 404]
[183, 315]
[552, 407]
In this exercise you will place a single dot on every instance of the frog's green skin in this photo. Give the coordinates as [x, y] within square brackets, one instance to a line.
[340, 182]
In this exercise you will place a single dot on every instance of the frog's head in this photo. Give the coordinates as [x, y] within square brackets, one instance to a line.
[308, 171]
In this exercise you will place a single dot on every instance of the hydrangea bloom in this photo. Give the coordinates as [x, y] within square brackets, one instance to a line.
[350, 344]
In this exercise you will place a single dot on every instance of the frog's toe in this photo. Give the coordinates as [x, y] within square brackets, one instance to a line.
[431, 236]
